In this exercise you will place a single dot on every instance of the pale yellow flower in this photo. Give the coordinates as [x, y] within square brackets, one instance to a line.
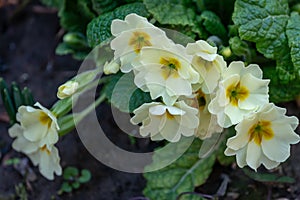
[241, 91]
[38, 124]
[46, 157]
[264, 137]
[166, 122]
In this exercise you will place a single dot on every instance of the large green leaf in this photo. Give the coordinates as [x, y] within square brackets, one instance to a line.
[264, 22]
[293, 34]
[98, 30]
[171, 12]
[183, 175]
[123, 93]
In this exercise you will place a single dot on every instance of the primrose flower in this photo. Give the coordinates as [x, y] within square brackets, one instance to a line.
[132, 34]
[45, 156]
[241, 91]
[38, 125]
[263, 138]
[208, 124]
[165, 73]
[166, 122]
[67, 89]
[208, 64]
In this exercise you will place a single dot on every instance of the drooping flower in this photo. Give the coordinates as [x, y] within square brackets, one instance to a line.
[263, 138]
[38, 124]
[46, 157]
[166, 122]
[132, 34]
[241, 91]
[208, 64]
[165, 73]
[208, 124]
[67, 89]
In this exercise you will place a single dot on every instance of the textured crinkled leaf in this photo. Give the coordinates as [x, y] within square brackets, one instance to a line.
[183, 175]
[213, 24]
[123, 93]
[264, 22]
[75, 15]
[293, 34]
[278, 90]
[98, 30]
[171, 12]
[102, 6]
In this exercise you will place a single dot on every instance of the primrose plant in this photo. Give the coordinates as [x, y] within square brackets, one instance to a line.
[192, 93]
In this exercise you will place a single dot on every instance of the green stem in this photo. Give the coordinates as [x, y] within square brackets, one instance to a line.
[67, 123]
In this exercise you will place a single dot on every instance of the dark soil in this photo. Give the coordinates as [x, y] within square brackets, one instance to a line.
[27, 45]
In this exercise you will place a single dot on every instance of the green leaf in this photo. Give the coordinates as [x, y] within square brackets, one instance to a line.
[213, 24]
[265, 22]
[16, 95]
[75, 185]
[70, 173]
[65, 187]
[27, 96]
[279, 91]
[263, 177]
[85, 176]
[98, 30]
[9, 106]
[183, 175]
[102, 6]
[124, 94]
[75, 40]
[75, 15]
[293, 35]
[171, 12]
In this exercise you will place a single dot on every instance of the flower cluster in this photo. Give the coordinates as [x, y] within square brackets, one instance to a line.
[35, 136]
[195, 93]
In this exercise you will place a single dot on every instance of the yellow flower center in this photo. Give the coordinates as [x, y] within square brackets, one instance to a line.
[45, 119]
[169, 67]
[139, 40]
[236, 93]
[201, 99]
[261, 130]
[44, 148]
[169, 115]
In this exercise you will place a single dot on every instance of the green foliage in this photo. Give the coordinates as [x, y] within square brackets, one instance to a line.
[264, 23]
[73, 179]
[280, 92]
[13, 98]
[171, 12]
[103, 6]
[98, 30]
[292, 32]
[183, 175]
[271, 178]
[75, 15]
[12, 161]
[123, 93]
[213, 24]
[242, 49]
[268, 24]
[74, 43]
